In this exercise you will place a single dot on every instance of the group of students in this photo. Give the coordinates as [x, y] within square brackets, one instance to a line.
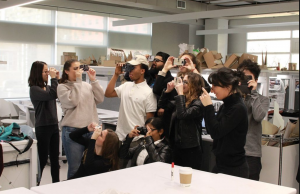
[160, 117]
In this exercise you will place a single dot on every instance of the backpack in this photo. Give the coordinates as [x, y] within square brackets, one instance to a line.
[7, 135]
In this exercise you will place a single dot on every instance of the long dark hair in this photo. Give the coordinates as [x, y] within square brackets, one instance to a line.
[110, 149]
[225, 78]
[36, 74]
[67, 66]
[195, 85]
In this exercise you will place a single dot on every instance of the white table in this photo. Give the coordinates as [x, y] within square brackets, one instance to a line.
[156, 178]
[21, 176]
[20, 190]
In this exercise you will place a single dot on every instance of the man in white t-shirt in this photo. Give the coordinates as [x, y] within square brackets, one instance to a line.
[138, 102]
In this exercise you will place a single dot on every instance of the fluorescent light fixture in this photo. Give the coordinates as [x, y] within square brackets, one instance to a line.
[16, 3]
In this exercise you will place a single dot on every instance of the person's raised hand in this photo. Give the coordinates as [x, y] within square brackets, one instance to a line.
[134, 132]
[205, 98]
[79, 73]
[118, 70]
[169, 65]
[92, 126]
[92, 74]
[52, 72]
[179, 86]
[170, 87]
[96, 133]
[252, 83]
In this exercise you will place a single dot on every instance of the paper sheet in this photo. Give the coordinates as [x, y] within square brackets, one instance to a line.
[277, 118]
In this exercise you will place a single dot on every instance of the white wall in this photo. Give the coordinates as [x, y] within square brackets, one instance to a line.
[167, 36]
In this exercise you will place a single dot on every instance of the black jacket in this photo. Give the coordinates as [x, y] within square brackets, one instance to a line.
[228, 130]
[93, 164]
[186, 122]
[156, 153]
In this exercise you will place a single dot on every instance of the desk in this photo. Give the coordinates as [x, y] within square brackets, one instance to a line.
[156, 178]
[20, 190]
[25, 174]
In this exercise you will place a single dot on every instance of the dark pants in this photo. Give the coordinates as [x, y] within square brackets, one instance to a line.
[239, 171]
[255, 167]
[48, 144]
[123, 163]
[189, 157]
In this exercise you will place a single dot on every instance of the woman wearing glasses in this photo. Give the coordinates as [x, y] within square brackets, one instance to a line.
[43, 98]
[186, 121]
[154, 148]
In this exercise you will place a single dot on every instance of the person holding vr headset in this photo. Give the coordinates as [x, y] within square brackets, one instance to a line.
[154, 148]
[186, 118]
[138, 103]
[101, 150]
[79, 101]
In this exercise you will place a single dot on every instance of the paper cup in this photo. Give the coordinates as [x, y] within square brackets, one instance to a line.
[185, 176]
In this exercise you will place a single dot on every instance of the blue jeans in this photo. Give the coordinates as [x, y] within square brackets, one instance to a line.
[73, 151]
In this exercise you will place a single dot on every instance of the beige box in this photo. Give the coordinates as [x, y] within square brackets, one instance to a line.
[245, 56]
[232, 62]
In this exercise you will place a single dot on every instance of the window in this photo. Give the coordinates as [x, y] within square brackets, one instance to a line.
[79, 32]
[282, 47]
[38, 34]
[20, 47]
[269, 35]
[27, 15]
[296, 34]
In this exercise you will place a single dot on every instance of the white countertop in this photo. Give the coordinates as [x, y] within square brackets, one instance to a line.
[156, 178]
[20, 190]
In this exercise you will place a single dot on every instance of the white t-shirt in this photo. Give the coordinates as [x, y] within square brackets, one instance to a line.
[136, 101]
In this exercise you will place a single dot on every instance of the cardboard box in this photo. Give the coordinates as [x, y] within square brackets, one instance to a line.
[210, 59]
[69, 53]
[201, 54]
[109, 63]
[66, 58]
[218, 66]
[218, 56]
[245, 56]
[232, 62]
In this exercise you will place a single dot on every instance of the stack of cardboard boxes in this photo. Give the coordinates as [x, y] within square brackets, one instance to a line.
[213, 59]
[116, 56]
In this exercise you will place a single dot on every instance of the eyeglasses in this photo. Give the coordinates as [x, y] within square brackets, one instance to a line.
[157, 60]
[185, 82]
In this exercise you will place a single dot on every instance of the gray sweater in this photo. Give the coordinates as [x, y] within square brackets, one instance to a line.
[257, 106]
[44, 103]
[79, 102]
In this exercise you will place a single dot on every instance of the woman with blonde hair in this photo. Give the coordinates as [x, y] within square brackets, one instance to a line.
[186, 121]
